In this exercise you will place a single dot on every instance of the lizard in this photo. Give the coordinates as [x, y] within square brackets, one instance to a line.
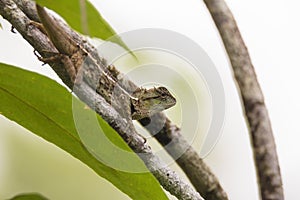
[142, 102]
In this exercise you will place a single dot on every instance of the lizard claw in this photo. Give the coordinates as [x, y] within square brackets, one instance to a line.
[36, 54]
[39, 57]
[12, 29]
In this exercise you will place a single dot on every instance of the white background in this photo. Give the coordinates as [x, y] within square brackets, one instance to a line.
[271, 32]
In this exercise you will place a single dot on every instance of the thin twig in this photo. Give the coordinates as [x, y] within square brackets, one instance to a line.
[263, 143]
[168, 178]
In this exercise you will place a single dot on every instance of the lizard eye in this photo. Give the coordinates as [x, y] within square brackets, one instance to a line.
[164, 96]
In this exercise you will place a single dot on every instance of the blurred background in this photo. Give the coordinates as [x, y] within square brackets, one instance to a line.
[271, 32]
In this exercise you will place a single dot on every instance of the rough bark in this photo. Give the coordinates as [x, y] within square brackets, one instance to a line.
[263, 144]
[167, 178]
[196, 170]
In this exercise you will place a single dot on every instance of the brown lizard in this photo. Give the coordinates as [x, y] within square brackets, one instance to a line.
[142, 102]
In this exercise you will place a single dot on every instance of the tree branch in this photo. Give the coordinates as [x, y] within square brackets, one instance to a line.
[205, 182]
[168, 178]
[197, 171]
[263, 143]
[200, 175]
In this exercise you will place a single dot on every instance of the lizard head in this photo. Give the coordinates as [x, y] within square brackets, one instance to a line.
[162, 98]
[149, 102]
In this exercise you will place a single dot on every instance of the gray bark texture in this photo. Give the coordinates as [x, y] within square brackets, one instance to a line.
[256, 114]
[21, 13]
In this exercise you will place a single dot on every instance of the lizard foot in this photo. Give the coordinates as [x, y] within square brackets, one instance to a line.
[12, 29]
[38, 25]
[53, 57]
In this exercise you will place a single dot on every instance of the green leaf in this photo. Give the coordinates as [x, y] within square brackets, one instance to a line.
[85, 19]
[50, 111]
[29, 196]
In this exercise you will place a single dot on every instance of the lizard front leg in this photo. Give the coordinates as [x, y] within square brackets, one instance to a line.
[122, 103]
[60, 58]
